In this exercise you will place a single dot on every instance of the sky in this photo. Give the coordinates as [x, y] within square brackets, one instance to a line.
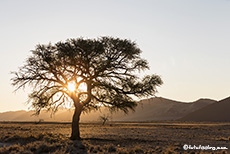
[186, 42]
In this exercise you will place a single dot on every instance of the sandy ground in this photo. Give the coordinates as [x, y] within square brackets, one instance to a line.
[158, 137]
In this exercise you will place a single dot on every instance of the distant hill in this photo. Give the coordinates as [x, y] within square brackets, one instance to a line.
[153, 109]
[158, 108]
[219, 111]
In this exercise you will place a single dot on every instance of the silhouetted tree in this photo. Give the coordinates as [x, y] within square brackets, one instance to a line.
[102, 71]
[104, 118]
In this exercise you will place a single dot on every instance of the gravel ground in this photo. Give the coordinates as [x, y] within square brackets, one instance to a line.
[123, 138]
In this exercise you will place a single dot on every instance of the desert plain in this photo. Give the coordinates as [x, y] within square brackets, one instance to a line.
[114, 137]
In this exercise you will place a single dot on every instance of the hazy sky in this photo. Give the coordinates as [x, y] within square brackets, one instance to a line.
[187, 42]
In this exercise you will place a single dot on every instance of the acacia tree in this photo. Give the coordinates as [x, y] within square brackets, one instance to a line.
[90, 73]
[104, 118]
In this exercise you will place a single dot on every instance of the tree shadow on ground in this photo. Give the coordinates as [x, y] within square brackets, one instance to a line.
[99, 139]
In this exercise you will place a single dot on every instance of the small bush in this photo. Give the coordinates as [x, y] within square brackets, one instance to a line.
[224, 152]
[112, 149]
[138, 149]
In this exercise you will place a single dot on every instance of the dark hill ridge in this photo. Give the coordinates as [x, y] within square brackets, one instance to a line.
[153, 109]
[219, 111]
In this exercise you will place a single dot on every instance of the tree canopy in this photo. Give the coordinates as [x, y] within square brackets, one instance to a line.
[103, 71]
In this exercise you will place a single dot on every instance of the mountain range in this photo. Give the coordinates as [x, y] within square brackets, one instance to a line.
[218, 112]
[153, 109]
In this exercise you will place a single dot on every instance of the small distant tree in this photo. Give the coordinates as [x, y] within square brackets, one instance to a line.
[89, 73]
[104, 118]
[39, 121]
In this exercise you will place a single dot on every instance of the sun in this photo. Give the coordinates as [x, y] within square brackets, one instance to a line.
[71, 86]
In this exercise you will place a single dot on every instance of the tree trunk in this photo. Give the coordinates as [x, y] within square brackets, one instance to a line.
[75, 124]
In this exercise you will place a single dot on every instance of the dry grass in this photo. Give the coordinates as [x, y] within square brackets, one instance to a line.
[121, 138]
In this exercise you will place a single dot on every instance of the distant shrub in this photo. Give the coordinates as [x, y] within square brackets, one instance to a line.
[104, 118]
[138, 149]
[222, 139]
[192, 152]
[224, 152]
[112, 149]
[169, 151]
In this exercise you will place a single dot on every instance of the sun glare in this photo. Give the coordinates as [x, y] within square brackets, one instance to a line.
[71, 86]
